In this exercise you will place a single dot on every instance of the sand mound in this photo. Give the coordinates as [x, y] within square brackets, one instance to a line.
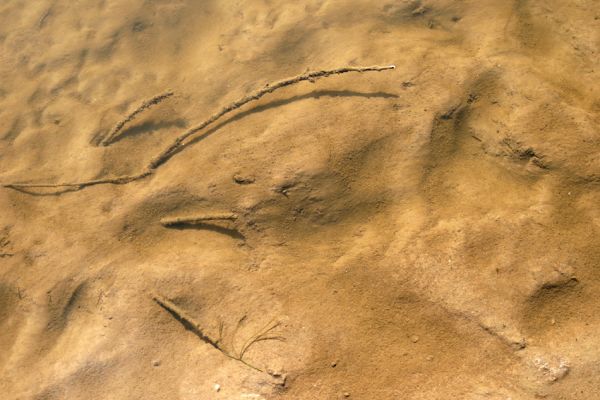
[426, 232]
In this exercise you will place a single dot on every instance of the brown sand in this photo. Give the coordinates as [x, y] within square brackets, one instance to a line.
[427, 232]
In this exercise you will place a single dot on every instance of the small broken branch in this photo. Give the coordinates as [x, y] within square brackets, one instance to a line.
[114, 133]
[189, 323]
[180, 142]
[175, 221]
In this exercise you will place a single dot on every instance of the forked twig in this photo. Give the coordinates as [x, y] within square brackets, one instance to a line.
[261, 336]
[189, 323]
[180, 142]
[114, 133]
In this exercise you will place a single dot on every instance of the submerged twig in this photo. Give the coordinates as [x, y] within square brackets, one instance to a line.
[195, 220]
[114, 133]
[189, 323]
[121, 180]
[180, 142]
[269, 88]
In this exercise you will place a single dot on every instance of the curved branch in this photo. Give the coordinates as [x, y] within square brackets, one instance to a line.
[269, 88]
[114, 133]
[179, 143]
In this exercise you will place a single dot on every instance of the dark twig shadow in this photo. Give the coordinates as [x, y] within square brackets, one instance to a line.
[188, 325]
[148, 127]
[233, 233]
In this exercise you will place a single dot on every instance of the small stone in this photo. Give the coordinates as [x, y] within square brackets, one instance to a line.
[429, 358]
[156, 363]
[243, 180]
[217, 387]
[334, 364]
[274, 374]
[420, 10]
[414, 338]
[552, 368]
[346, 394]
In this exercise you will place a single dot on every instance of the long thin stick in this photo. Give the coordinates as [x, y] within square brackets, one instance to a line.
[112, 135]
[179, 144]
[269, 88]
[121, 180]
